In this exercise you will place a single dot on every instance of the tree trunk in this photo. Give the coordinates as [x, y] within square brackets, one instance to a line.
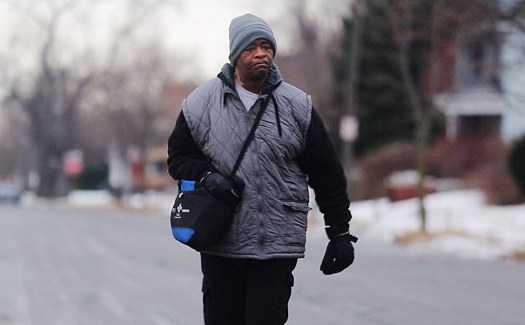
[52, 178]
[421, 135]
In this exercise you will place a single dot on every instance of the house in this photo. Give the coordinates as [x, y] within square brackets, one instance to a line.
[471, 97]
[478, 95]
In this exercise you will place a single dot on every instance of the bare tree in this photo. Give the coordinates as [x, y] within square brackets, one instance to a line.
[131, 95]
[51, 105]
[53, 95]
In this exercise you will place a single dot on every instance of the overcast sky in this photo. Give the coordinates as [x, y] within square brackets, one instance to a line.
[205, 24]
[194, 29]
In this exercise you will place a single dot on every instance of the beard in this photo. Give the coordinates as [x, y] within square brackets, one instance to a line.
[257, 76]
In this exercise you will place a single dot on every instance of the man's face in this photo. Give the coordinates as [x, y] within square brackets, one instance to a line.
[255, 61]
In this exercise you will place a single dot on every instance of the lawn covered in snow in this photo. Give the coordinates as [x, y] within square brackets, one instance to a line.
[458, 222]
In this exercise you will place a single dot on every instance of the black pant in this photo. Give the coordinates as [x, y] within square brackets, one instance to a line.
[246, 291]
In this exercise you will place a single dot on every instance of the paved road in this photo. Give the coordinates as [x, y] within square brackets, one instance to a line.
[87, 266]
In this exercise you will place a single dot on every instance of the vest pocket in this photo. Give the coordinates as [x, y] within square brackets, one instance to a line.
[296, 221]
[297, 206]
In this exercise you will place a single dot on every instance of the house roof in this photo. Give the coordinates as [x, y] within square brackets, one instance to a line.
[471, 103]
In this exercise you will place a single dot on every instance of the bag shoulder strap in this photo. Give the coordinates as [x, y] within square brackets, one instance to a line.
[250, 136]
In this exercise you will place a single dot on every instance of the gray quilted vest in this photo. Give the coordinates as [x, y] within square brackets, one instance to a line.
[271, 220]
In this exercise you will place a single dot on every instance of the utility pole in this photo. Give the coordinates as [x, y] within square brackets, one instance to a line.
[348, 128]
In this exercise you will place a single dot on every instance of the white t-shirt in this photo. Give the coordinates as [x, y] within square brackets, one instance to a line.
[247, 97]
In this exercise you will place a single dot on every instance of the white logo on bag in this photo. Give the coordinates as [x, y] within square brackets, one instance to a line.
[179, 209]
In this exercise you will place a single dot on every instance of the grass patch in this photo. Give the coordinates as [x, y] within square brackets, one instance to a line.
[422, 236]
[518, 255]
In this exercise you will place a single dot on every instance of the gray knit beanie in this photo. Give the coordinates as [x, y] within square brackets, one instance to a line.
[244, 30]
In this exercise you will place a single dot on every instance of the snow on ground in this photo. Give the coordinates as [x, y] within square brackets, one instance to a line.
[458, 222]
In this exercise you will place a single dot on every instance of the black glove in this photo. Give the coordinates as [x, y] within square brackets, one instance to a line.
[221, 187]
[339, 253]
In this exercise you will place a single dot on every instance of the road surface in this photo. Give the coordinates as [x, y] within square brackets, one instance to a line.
[67, 266]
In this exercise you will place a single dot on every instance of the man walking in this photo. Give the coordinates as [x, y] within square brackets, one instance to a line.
[247, 275]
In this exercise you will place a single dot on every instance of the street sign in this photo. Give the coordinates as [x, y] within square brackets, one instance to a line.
[348, 128]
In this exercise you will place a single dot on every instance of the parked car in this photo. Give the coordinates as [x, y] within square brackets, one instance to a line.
[10, 192]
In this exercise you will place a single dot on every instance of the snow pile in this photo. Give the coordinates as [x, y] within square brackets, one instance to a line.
[458, 222]
[89, 198]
